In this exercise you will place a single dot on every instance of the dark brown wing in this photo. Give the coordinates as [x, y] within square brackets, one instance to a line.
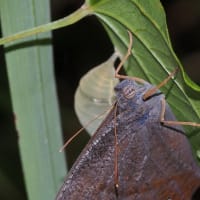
[91, 176]
[155, 162]
[161, 166]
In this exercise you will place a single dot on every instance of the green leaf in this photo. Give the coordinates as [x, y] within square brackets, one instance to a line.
[66, 21]
[152, 55]
[31, 80]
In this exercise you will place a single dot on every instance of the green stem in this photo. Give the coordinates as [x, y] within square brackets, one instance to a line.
[66, 21]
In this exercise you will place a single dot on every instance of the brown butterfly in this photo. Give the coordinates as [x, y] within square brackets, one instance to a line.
[139, 152]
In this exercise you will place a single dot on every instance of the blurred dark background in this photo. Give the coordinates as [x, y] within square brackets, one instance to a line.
[77, 49]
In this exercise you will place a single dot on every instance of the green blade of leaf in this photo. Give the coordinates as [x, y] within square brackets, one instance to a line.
[152, 55]
[31, 80]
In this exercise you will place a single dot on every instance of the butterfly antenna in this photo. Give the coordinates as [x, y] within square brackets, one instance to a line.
[116, 171]
[80, 130]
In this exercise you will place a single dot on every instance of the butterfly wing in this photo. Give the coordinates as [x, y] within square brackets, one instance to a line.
[154, 162]
[91, 176]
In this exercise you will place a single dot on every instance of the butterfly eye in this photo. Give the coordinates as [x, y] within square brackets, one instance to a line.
[129, 91]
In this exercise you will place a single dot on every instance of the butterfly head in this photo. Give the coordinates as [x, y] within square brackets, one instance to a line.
[130, 93]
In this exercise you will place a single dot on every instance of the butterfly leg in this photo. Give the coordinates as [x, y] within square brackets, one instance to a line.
[124, 59]
[153, 90]
[162, 119]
